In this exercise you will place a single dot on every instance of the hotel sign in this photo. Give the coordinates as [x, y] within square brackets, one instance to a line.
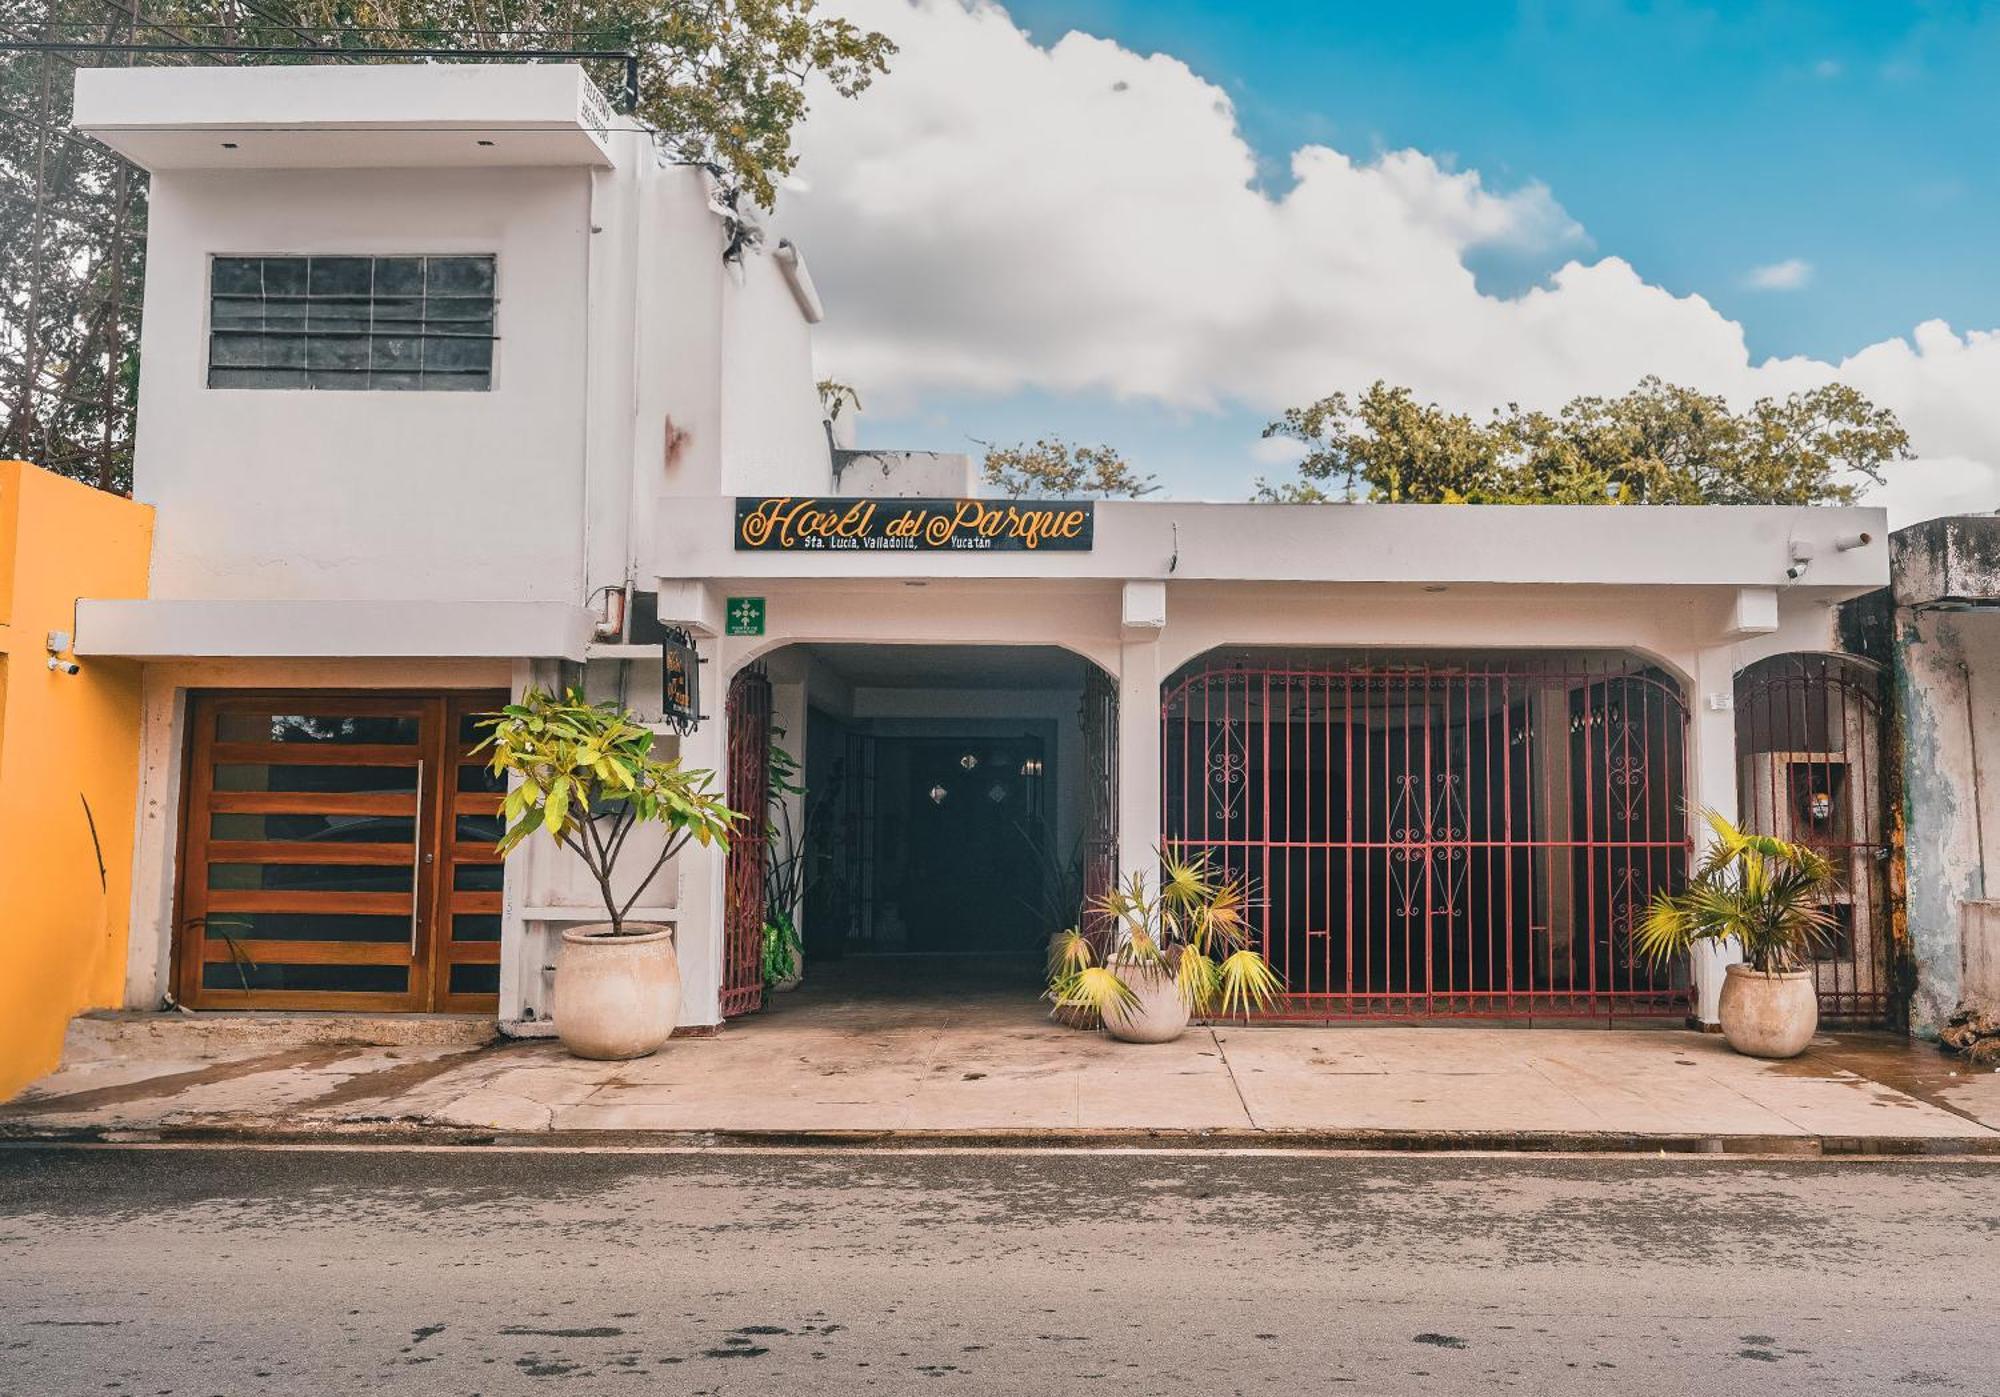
[814, 524]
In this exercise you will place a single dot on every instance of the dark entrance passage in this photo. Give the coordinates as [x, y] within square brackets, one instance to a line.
[1433, 835]
[952, 820]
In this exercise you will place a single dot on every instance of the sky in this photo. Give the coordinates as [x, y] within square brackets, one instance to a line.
[1157, 223]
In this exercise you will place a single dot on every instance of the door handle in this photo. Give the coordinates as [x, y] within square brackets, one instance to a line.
[417, 862]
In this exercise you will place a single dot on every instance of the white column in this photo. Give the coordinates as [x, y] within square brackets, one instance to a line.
[527, 948]
[1138, 753]
[697, 888]
[1712, 758]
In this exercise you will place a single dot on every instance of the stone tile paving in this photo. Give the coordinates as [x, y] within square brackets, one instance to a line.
[999, 1065]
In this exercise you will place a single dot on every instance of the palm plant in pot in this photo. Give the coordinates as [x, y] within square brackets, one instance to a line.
[585, 775]
[1163, 956]
[1770, 897]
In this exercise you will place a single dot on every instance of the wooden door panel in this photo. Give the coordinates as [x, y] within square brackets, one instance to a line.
[319, 853]
[466, 957]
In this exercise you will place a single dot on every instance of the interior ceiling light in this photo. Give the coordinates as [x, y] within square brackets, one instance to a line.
[968, 761]
[938, 793]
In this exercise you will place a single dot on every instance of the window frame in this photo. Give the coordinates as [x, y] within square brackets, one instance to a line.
[210, 331]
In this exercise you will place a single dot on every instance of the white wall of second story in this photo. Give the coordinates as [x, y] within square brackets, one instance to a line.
[773, 434]
[294, 494]
[636, 372]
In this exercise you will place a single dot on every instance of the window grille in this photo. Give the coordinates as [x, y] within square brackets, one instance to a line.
[384, 323]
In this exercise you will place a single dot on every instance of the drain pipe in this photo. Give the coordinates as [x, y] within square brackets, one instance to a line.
[1972, 741]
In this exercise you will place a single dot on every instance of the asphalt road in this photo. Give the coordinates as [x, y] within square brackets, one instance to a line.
[168, 1272]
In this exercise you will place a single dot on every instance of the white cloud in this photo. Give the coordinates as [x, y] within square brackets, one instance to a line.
[1827, 68]
[1792, 274]
[995, 216]
[1277, 451]
[1945, 485]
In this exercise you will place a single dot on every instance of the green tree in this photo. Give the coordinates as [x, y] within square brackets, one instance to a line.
[72, 244]
[1389, 445]
[1053, 469]
[723, 83]
[1657, 444]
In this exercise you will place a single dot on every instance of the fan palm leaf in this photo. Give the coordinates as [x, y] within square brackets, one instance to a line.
[1247, 983]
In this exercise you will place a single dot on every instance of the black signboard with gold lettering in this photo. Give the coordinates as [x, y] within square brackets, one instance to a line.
[680, 680]
[813, 524]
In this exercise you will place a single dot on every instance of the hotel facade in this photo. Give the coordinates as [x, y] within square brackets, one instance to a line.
[451, 387]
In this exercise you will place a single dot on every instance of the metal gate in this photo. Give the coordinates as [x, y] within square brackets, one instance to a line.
[1474, 835]
[748, 786]
[1809, 769]
[1100, 762]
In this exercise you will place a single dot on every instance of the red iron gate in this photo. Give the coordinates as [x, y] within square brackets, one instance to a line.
[1099, 716]
[748, 787]
[1809, 769]
[1464, 836]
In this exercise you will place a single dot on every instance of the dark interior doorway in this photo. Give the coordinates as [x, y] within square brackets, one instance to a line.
[977, 842]
[952, 812]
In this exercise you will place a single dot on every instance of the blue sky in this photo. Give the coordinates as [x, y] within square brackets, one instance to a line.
[1694, 141]
[1854, 142]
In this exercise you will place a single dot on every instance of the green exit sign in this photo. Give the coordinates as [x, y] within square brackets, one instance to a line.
[745, 615]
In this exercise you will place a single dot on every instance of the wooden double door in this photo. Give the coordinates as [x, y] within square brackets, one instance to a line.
[338, 853]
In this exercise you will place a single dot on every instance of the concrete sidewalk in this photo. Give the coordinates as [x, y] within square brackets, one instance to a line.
[996, 1067]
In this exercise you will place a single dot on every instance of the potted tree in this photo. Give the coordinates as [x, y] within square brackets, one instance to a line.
[585, 775]
[1770, 897]
[1163, 957]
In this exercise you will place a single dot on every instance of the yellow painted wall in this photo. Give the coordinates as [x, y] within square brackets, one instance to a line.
[65, 741]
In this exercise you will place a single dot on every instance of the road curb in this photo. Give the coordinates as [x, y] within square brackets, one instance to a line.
[417, 1134]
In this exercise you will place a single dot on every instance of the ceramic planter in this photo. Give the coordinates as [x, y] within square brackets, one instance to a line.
[1768, 1015]
[616, 996]
[1158, 1017]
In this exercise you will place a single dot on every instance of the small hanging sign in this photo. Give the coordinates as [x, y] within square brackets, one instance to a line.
[680, 681]
[800, 524]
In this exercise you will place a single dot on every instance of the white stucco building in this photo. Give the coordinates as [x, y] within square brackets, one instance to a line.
[449, 388]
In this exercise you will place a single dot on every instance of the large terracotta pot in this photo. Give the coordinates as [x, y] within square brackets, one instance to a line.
[616, 996]
[1768, 1015]
[1158, 1017]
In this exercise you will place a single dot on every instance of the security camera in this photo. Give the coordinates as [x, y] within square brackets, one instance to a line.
[62, 666]
[1798, 569]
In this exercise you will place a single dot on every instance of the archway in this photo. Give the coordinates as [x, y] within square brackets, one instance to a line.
[1810, 768]
[957, 805]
